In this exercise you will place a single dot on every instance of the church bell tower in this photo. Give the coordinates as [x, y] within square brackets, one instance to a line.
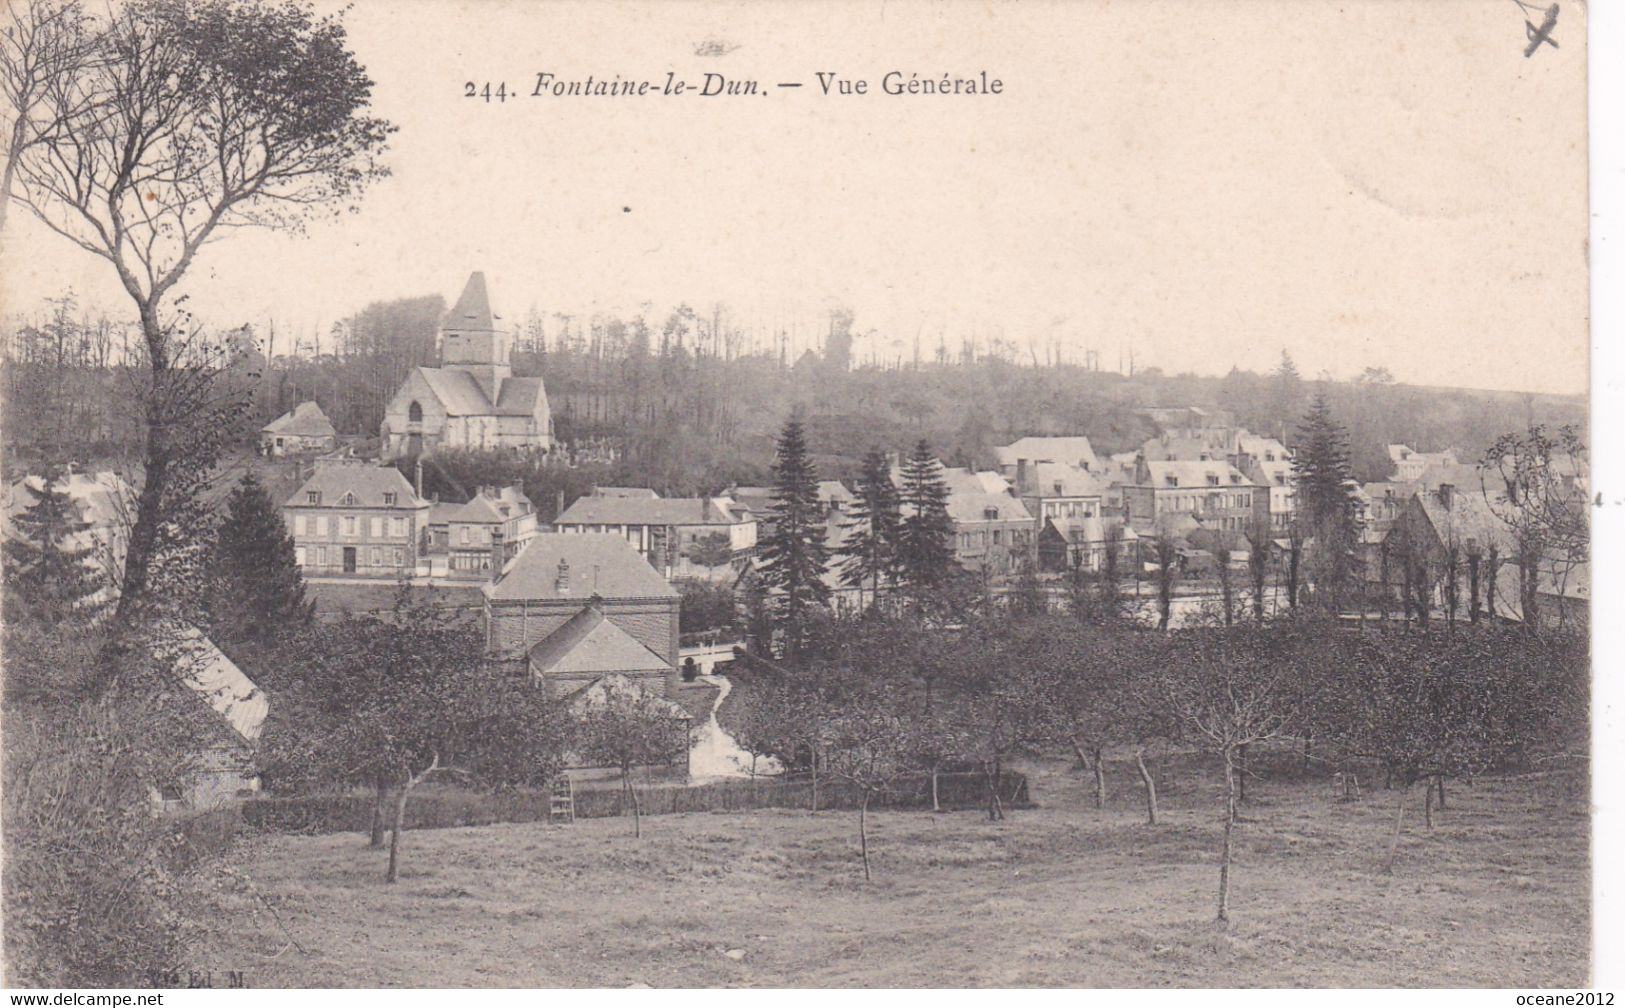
[472, 342]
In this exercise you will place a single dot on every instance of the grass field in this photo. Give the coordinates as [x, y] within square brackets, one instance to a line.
[1064, 895]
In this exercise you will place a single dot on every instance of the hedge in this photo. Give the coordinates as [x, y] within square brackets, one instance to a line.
[441, 807]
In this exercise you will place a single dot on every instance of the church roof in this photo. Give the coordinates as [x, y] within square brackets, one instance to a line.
[598, 563]
[587, 643]
[457, 391]
[473, 308]
[519, 396]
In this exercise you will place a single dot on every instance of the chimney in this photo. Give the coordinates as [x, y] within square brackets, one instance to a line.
[1021, 475]
[1447, 495]
[561, 583]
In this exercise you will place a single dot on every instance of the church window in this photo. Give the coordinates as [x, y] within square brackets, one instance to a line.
[414, 412]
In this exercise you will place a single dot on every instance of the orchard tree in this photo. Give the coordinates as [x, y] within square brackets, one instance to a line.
[617, 724]
[189, 118]
[1542, 501]
[867, 747]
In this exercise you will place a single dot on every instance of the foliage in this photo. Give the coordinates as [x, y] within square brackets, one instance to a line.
[50, 560]
[622, 726]
[869, 552]
[794, 554]
[706, 606]
[1325, 499]
[257, 591]
[925, 555]
[1543, 503]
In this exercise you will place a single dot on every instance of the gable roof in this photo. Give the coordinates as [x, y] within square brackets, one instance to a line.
[1073, 481]
[304, 420]
[646, 511]
[458, 392]
[473, 307]
[610, 491]
[216, 679]
[596, 694]
[519, 396]
[1071, 450]
[588, 643]
[599, 563]
[1194, 474]
[369, 483]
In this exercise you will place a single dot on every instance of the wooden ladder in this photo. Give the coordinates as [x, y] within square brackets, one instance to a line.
[562, 804]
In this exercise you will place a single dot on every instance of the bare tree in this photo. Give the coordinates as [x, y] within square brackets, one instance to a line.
[192, 118]
[44, 50]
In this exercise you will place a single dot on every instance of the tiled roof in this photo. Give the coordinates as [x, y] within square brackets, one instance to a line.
[645, 511]
[597, 694]
[519, 396]
[1073, 481]
[1468, 516]
[457, 391]
[605, 491]
[206, 670]
[304, 420]
[599, 563]
[834, 490]
[1194, 474]
[589, 643]
[369, 483]
[1071, 450]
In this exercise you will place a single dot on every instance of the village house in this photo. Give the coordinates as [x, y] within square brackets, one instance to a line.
[1212, 491]
[1268, 463]
[305, 428]
[678, 536]
[473, 400]
[102, 501]
[574, 607]
[993, 530]
[484, 534]
[1072, 451]
[1408, 463]
[355, 518]
[1071, 544]
[225, 769]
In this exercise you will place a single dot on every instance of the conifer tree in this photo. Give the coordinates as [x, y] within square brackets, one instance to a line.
[869, 551]
[49, 562]
[925, 552]
[257, 590]
[1325, 496]
[794, 553]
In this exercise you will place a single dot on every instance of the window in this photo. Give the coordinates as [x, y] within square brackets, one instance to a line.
[414, 412]
[995, 537]
[313, 496]
[299, 555]
[389, 499]
[377, 556]
[349, 525]
[1280, 480]
[348, 500]
[397, 527]
[465, 535]
[377, 527]
[1172, 481]
[1212, 480]
[298, 525]
[321, 525]
[321, 556]
[400, 557]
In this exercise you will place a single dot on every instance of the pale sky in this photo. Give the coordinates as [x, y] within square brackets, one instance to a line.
[1208, 182]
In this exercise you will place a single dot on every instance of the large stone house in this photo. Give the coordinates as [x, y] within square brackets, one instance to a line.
[354, 518]
[574, 607]
[1212, 491]
[473, 400]
[678, 536]
[485, 534]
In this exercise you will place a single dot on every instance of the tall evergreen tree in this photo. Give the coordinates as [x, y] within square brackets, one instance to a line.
[1286, 394]
[1326, 507]
[869, 552]
[925, 552]
[794, 553]
[50, 559]
[256, 589]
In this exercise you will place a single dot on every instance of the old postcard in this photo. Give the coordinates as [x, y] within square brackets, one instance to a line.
[841, 495]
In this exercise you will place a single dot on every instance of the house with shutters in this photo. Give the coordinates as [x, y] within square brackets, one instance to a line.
[1212, 491]
[473, 400]
[483, 535]
[573, 608]
[355, 518]
[679, 536]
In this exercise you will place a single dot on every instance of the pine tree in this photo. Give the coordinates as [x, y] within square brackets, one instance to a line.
[1325, 498]
[869, 551]
[1287, 393]
[49, 562]
[925, 552]
[794, 553]
[257, 590]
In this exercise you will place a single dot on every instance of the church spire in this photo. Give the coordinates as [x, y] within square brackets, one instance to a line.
[473, 309]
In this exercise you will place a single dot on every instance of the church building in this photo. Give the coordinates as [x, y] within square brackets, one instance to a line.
[473, 400]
